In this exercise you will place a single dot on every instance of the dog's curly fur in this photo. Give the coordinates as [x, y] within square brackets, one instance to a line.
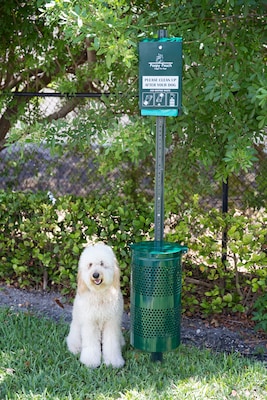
[95, 329]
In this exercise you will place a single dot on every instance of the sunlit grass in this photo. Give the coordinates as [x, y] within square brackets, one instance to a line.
[35, 364]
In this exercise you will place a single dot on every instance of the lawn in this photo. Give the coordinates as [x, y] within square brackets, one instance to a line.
[35, 364]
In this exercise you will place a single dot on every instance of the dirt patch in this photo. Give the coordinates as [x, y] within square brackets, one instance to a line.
[232, 336]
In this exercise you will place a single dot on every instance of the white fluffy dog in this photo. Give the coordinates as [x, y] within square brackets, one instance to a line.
[95, 329]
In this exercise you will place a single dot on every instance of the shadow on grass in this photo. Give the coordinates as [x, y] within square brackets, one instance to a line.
[35, 364]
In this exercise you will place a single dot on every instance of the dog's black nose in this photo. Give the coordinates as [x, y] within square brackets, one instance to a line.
[95, 275]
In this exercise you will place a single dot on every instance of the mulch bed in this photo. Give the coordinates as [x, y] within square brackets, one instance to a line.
[220, 333]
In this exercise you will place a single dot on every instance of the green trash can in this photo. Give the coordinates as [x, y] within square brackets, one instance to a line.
[156, 281]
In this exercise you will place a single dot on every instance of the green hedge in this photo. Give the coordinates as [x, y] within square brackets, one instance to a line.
[212, 285]
[40, 242]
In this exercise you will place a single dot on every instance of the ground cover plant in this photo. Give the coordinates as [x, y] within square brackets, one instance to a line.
[35, 365]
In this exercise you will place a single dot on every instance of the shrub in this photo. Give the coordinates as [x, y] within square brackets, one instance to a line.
[260, 313]
[40, 242]
[232, 285]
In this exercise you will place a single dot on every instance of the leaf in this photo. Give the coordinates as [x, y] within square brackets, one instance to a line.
[228, 298]
[58, 302]
[108, 60]
[96, 43]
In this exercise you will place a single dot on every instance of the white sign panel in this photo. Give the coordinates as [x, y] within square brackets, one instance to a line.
[160, 82]
[160, 99]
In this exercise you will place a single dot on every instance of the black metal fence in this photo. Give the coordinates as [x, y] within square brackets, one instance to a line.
[74, 173]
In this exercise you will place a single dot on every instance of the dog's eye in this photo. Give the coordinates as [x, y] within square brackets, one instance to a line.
[90, 265]
[101, 263]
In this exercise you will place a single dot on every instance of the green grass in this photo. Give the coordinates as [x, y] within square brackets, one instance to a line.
[35, 364]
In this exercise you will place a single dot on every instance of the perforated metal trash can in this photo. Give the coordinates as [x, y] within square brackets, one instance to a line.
[156, 280]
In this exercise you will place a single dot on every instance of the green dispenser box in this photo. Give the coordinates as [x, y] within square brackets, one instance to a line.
[156, 284]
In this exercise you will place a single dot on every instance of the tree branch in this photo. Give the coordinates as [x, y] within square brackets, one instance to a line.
[37, 80]
[198, 282]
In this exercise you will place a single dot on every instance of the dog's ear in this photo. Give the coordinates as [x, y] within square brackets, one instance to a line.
[82, 288]
[116, 279]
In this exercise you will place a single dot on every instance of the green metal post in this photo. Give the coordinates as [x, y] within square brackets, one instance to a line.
[159, 184]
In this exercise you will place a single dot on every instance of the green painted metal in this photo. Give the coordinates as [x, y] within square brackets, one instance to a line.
[160, 76]
[156, 279]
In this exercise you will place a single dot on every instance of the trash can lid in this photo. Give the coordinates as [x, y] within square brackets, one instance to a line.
[154, 247]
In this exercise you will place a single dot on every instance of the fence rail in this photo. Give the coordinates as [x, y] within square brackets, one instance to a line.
[38, 169]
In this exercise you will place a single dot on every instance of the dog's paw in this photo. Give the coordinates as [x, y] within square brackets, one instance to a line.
[115, 361]
[89, 359]
[73, 346]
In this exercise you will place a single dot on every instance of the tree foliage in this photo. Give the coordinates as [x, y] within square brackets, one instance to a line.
[34, 54]
[67, 44]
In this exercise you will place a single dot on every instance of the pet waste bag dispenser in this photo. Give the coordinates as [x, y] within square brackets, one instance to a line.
[156, 275]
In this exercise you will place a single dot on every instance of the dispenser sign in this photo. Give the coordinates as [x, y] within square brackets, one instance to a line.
[160, 74]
